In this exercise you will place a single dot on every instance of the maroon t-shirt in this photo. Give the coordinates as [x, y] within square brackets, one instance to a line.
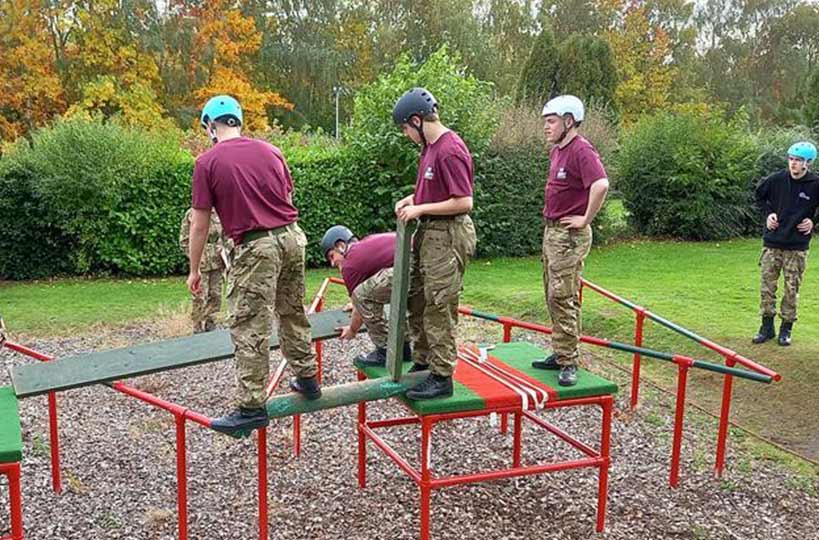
[366, 258]
[572, 171]
[444, 171]
[248, 183]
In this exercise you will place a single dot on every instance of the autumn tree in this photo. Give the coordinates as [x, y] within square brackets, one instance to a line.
[225, 46]
[643, 53]
[111, 71]
[32, 93]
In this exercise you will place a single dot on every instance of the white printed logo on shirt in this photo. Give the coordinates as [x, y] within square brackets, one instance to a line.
[561, 174]
[428, 174]
[803, 196]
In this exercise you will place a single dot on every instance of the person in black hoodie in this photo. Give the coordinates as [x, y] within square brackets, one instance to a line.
[789, 199]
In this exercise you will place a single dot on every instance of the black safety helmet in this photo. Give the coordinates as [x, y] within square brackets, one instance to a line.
[336, 233]
[416, 102]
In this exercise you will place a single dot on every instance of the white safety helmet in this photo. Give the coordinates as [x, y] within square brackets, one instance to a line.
[563, 105]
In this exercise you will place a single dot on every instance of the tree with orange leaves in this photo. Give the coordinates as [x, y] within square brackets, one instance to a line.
[225, 46]
[31, 91]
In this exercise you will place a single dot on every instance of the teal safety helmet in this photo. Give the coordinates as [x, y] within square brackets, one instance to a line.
[803, 150]
[222, 108]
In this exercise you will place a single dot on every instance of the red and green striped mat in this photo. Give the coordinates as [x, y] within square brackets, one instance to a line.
[474, 390]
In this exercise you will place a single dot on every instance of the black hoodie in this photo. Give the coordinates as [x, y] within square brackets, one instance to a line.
[792, 201]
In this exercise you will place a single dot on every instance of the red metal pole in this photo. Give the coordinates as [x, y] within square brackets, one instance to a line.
[722, 435]
[426, 436]
[516, 445]
[507, 337]
[605, 441]
[297, 435]
[181, 476]
[262, 435]
[12, 471]
[362, 440]
[635, 366]
[54, 443]
[682, 378]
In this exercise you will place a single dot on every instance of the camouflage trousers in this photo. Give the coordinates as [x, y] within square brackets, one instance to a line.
[206, 305]
[792, 266]
[440, 253]
[369, 299]
[564, 251]
[267, 278]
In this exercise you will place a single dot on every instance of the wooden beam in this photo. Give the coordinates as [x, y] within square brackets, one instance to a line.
[87, 369]
[341, 395]
[398, 298]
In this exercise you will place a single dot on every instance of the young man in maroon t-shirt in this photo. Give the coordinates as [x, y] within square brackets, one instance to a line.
[575, 192]
[248, 182]
[366, 267]
[442, 244]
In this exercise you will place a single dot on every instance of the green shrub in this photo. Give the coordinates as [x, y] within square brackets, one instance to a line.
[466, 106]
[112, 197]
[688, 176]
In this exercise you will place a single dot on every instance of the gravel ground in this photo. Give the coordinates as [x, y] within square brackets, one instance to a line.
[119, 470]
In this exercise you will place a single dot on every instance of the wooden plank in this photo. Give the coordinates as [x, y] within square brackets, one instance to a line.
[87, 369]
[342, 395]
[398, 298]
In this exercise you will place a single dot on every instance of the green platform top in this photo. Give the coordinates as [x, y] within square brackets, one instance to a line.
[11, 442]
[469, 396]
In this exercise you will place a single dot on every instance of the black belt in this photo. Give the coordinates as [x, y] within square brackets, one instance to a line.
[249, 236]
[427, 219]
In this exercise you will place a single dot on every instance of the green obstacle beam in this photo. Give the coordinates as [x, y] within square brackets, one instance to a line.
[342, 395]
[398, 298]
[87, 369]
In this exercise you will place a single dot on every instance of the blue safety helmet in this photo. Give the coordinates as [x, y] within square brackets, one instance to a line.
[803, 150]
[223, 109]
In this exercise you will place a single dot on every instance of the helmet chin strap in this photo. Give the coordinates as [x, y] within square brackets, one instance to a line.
[565, 130]
[420, 130]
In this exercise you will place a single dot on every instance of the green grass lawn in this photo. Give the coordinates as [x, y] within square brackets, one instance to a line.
[710, 288]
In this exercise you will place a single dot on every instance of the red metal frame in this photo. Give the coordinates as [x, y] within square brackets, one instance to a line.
[731, 358]
[12, 472]
[423, 477]
[427, 481]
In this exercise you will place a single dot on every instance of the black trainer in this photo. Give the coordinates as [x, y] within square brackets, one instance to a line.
[241, 420]
[434, 386]
[375, 358]
[785, 333]
[766, 331]
[418, 367]
[567, 376]
[550, 362]
[306, 386]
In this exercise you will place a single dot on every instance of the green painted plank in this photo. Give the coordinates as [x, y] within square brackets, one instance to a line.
[11, 442]
[398, 298]
[87, 369]
[520, 355]
[462, 399]
[342, 395]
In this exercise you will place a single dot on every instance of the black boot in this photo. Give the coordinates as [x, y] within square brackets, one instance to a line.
[766, 331]
[550, 362]
[241, 420]
[567, 376]
[433, 386]
[785, 333]
[376, 358]
[407, 352]
[306, 386]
